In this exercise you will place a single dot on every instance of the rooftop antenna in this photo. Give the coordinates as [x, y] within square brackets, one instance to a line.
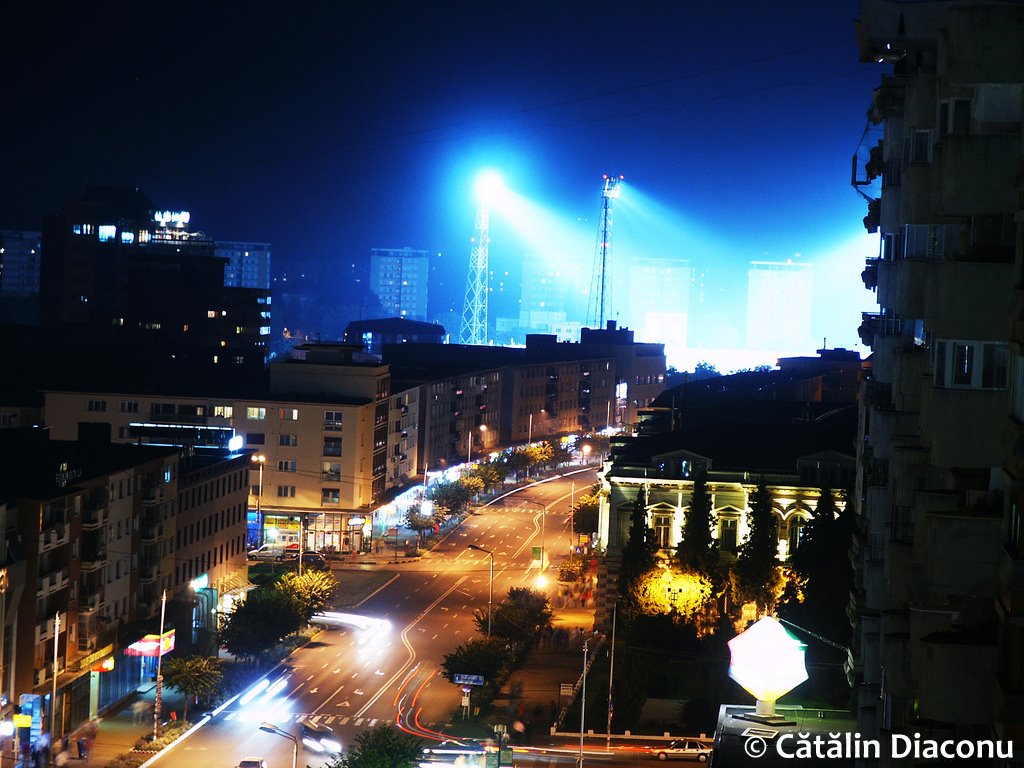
[600, 290]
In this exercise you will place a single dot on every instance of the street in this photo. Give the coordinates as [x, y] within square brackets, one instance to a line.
[381, 663]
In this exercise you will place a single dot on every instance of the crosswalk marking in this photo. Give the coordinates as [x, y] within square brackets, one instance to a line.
[344, 720]
[359, 721]
[329, 719]
[230, 715]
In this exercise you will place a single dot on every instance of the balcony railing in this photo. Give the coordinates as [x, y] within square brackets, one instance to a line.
[94, 517]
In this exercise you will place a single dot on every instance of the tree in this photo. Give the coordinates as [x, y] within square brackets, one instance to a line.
[260, 622]
[313, 590]
[198, 677]
[698, 550]
[416, 519]
[521, 616]
[756, 571]
[821, 570]
[491, 473]
[518, 462]
[586, 513]
[638, 556]
[475, 657]
[381, 747]
[704, 370]
[450, 498]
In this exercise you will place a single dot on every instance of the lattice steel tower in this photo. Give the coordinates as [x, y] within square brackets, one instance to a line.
[601, 285]
[474, 311]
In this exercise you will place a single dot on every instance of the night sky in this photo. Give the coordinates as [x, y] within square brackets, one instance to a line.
[330, 129]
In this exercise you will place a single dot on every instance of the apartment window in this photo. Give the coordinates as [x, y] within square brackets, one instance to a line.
[225, 411]
[331, 471]
[332, 446]
[254, 413]
[966, 364]
[332, 419]
[256, 438]
[289, 414]
[330, 496]
[97, 406]
[918, 146]
[288, 465]
[129, 406]
[288, 439]
[286, 491]
[106, 232]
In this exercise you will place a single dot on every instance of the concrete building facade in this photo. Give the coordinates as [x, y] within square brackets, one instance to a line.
[938, 609]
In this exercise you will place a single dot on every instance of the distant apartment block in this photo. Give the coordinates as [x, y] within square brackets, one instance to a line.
[659, 299]
[779, 300]
[20, 254]
[248, 264]
[399, 278]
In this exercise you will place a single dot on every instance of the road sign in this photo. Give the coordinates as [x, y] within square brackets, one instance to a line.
[535, 553]
[469, 680]
[565, 689]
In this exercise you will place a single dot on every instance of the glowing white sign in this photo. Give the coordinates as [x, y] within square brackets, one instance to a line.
[172, 218]
[766, 660]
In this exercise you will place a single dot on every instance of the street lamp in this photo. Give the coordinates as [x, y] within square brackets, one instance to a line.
[158, 698]
[490, 584]
[260, 459]
[271, 728]
[583, 700]
[469, 451]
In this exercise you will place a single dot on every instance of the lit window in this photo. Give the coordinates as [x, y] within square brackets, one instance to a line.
[264, 330]
[211, 313]
[107, 232]
[255, 413]
[127, 237]
[289, 414]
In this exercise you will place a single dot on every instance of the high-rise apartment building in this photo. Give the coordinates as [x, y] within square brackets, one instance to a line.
[399, 277]
[248, 264]
[19, 276]
[779, 297]
[659, 299]
[116, 265]
[938, 604]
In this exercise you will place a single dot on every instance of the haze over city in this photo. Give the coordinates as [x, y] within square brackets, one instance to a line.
[344, 129]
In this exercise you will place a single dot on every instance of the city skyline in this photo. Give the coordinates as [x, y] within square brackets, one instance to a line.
[324, 148]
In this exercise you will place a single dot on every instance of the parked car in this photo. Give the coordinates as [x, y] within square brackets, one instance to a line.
[685, 749]
[273, 552]
[309, 560]
[252, 762]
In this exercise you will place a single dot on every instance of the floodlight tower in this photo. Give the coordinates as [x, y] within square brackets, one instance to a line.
[600, 289]
[474, 311]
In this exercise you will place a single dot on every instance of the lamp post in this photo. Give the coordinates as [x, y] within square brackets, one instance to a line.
[469, 450]
[529, 433]
[490, 584]
[271, 728]
[158, 698]
[53, 694]
[583, 700]
[260, 459]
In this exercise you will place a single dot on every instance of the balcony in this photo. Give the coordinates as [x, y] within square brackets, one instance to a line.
[956, 671]
[152, 533]
[94, 518]
[51, 538]
[93, 560]
[331, 425]
[52, 582]
[148, 574]
[44, 629]
[90, 601]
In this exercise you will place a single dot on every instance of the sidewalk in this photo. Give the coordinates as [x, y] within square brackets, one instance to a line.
[118, 731]
[531, 694]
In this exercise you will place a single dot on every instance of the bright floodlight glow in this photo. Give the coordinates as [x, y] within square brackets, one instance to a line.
[488, 185]
[331, 745]
[542, 581]
[766, 660]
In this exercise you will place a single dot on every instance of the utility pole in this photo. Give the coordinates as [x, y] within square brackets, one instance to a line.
[158, 699]
[611, 678]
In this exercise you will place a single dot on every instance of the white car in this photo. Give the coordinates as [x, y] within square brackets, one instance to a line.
[685, 749]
